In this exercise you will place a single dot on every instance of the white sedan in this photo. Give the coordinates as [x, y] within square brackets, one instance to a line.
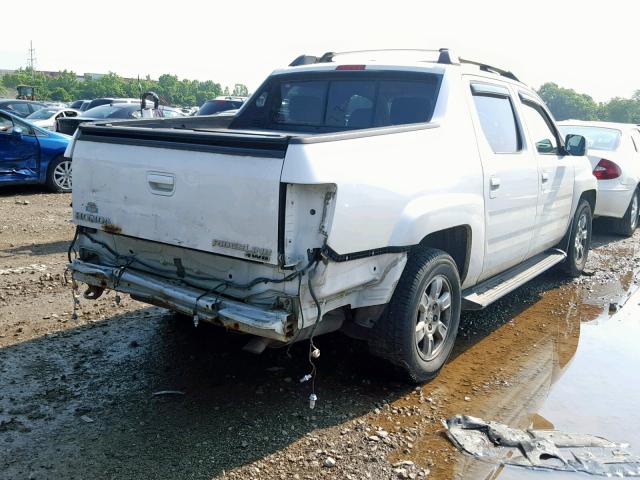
[46, 117]
[614, 152]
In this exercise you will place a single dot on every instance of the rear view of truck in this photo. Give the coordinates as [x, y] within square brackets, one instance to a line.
[294, 218]
[190, 222]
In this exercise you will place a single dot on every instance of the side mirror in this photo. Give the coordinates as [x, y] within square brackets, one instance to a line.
[544, 146]
[575, 145]
[17, 131]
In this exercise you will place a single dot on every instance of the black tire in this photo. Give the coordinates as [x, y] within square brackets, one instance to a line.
[57, 181]
[626, 226]
[579, 241]
[396, 335]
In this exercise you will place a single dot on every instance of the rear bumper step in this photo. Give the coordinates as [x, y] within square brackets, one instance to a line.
[235, 315]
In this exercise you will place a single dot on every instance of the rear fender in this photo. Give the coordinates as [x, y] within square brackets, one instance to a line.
[426, 215]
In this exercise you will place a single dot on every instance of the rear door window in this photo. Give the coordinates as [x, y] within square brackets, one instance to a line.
[497, 118]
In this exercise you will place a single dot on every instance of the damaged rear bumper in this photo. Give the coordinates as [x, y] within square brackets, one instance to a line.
[270, 323]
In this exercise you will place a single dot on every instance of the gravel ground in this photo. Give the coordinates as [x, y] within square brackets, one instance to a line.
[78, 398]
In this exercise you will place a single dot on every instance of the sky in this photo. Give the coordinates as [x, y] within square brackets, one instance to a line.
[590, 46]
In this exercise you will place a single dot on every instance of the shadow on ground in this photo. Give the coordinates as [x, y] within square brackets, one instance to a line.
[19, 190]
[38, 249]
[80, 403]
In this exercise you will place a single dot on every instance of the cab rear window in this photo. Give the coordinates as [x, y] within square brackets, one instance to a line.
[341, 101]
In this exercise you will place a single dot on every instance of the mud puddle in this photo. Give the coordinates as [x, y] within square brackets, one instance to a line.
[569, 361]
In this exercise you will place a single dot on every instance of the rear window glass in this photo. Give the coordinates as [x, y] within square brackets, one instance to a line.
[336, 102]
[598, 138]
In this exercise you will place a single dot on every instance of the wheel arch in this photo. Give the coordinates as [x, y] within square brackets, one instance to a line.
[456, 241]
[590, 196]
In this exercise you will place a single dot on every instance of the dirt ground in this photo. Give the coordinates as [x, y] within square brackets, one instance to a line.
[79, 398]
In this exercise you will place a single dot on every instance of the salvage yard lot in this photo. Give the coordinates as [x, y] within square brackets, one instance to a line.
[76, 396]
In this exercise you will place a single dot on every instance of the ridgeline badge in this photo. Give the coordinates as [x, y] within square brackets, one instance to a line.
[256, 253]
[91, 215]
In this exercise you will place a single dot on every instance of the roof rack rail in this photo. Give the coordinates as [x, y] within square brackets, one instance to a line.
[445, 56]
[304, 60]
[488, 68]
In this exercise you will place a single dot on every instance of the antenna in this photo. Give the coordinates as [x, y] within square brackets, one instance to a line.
[32, 59]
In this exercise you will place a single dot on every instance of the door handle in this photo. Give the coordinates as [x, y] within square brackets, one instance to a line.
[494, 184]
[545, 177]
[161, 184]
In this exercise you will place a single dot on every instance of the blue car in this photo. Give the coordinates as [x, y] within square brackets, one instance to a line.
[30, 154]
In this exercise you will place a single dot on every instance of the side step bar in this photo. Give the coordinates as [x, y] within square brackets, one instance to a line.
[487, 292]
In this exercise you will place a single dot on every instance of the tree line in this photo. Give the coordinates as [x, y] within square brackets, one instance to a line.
[66, 87]
[564, 103]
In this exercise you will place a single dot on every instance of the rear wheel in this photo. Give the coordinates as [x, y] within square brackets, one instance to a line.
[419, 327]
[59, 175]
[579, 240]
[627, 225]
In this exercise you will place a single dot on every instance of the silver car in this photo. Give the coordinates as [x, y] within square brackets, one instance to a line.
[46, 117]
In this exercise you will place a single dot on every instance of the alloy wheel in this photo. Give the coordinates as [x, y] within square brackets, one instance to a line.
[62, 175]
[433, 318]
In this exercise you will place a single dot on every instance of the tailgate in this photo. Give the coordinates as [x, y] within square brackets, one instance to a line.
[212, 191]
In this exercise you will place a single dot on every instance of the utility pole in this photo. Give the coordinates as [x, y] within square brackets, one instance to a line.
[32, 59]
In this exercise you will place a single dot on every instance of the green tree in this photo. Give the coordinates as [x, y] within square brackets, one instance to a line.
[240, 90]
[623, 110]
[60, 94]
[566, 103]
[67, 81]
[66, 86]
[206, 91]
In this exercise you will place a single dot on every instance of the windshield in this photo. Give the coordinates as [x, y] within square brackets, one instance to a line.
[43, 114]
[338, 101]
[598, 138]
[112, 111]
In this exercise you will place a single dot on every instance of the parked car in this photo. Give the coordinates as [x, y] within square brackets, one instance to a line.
[30, 154]
[116, 111]
[96, 102]
[220, 104]
[77, 105]
[614, 152]
[20, 108]
[46, 117]
[55, 104]
[376, 197]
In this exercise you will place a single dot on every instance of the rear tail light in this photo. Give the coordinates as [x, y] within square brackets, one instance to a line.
[607, 170]
[350, 67]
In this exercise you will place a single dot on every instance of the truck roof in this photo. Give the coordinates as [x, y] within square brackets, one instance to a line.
[395, 59]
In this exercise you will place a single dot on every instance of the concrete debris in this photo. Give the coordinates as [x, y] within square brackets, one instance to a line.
[541, 449]
[329, 462]
[28, 269]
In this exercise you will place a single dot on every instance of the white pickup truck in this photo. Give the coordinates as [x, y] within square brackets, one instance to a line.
[376, 192]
